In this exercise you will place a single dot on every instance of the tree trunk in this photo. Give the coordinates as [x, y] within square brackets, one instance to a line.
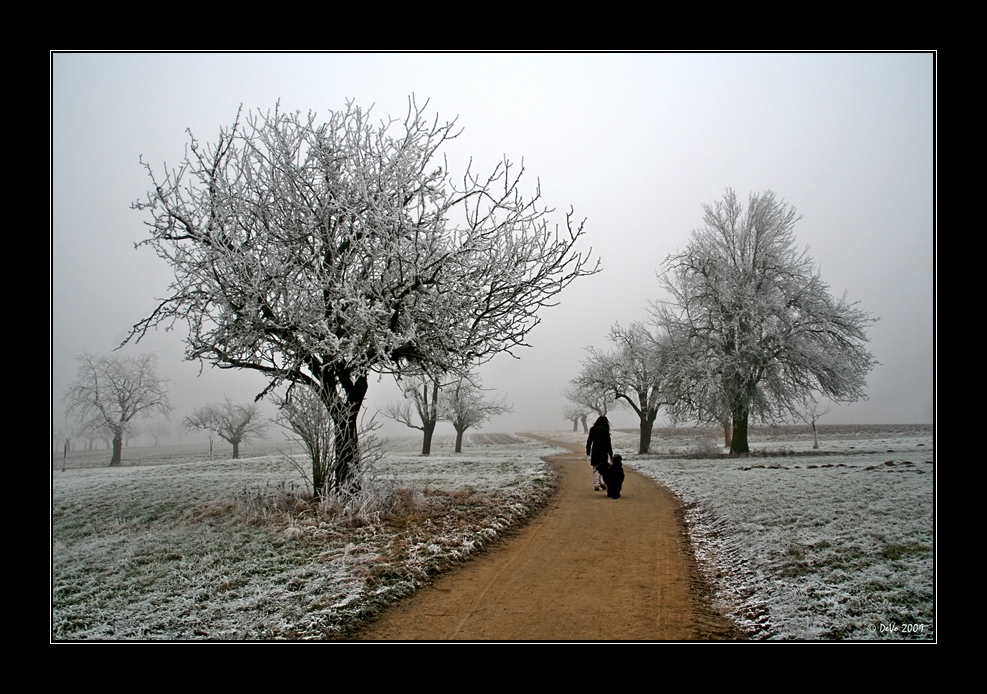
[117, 450]
[727, 431]
[738, 446]
[585, 430]
[459, 439]
[429, 429]
[236, 449]
[647, 424]
[347, 440]
[815, 439]
[575, 424]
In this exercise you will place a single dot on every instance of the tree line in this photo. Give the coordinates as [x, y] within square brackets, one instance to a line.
[112, 392]
[748, 332]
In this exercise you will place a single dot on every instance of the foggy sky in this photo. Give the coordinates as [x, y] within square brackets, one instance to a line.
[634, 143]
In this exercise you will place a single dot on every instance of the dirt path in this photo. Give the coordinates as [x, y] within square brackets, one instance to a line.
[585, 568]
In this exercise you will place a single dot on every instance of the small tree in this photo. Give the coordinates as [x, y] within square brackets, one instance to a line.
[112, 390]
[465, 407]
[304, 412]
[317, 253]
[575, 414]
[635, 373]
[233, 423]
[811, 413]
[586, 399]
[159, 429]
[761, 331]
[201, 419]
[423, 394]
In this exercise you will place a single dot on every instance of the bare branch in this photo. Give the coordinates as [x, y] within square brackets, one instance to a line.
[317, 252]
[112, 390]
[756, 329]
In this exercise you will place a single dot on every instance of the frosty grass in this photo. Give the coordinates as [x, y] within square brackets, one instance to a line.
[800, 544]
[830, 544]
[153, 551]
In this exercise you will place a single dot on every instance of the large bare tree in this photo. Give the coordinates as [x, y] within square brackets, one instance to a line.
[111, 391]
[319, 252]
[760, 332]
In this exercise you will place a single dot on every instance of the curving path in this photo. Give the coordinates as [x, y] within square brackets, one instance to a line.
[585, 568]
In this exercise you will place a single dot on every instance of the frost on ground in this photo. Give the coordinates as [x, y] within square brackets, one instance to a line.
[167, 551]
[834, 543]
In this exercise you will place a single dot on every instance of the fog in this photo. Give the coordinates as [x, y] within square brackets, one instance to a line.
[633, 143]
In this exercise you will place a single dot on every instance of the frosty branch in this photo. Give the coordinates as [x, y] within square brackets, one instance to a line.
[112, 391]
[317, 253]
[232, 423]
[758, 331]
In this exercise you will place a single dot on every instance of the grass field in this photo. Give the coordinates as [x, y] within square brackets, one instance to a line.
[200, 549]
[828, 544]
[802, 543]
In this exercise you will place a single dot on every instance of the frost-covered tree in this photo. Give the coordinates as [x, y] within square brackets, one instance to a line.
[588, 398]
[112, 391]
[466, 407]
[232, 423]
[760, 332]
[576, 414]
[201, 419]
[420, 407]
[635, 372]
[811, 412]
[317, 253]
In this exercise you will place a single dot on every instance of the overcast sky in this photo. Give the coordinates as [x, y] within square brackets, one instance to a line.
[635, 143]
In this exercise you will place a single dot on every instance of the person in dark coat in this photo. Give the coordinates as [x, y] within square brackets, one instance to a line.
[613, 476]
[599, 450]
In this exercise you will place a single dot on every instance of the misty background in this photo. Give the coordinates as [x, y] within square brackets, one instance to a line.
[634, 143]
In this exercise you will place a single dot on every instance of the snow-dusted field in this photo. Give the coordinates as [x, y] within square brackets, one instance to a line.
[830, 544]
[161, 552]
[837, 543]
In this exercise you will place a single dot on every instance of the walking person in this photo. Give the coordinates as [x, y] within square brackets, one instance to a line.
[599, 450]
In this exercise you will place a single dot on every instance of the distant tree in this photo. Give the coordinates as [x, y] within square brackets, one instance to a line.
[575, 414]
[465, 407]
[586, 399]
[811, 413]
[761, 331]
[317, 253]
[422, 394]
[113, 390]
[635, 373]
[233, 423]
[159, 429]
[201, 419]
[132, 433]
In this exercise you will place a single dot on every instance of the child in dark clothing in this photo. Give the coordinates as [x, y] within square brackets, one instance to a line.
[613, 477]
